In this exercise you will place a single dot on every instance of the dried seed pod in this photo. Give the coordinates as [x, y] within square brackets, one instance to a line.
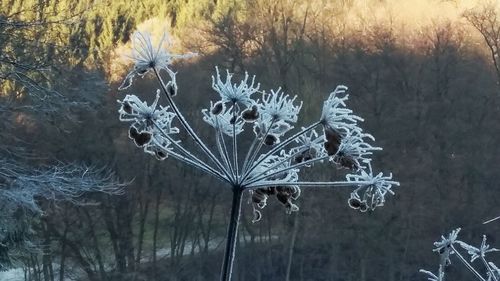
[160, 154]
[258, 196]
[270, 190]
[126, 107]
[306, 155]
[142, 139]
[333, 138]
[331, 148]
[257, 215]
[283, 197]
[354, 203]
[290, 207]
[309, 154]
[280, 189]
[270, 140]
[295, 192]
[218, 107]
[132, 132]
[348, 162]
[171, 90]
[332, 135]
[363, 207]
[299, 158]
[250, 114]
[140, 71]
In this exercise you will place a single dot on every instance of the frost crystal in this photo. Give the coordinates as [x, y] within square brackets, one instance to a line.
[224, 120]
[353, 152]
[372, 188]
[280, 107]
[146, 56]
[234, 93]
[151, 127]
[336, 115]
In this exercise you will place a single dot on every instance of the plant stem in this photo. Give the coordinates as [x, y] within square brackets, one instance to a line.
[232, 234]
[185, 124]
[469, 267]
[277, 148]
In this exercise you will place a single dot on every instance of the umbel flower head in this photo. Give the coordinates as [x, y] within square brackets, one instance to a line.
[230, 93]
[449, 246]
[271, 164]
[147, 56]
[371, 190]
[151, 127]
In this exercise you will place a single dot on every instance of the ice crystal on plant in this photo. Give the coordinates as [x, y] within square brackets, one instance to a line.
[477, 252]
[433, 277]
[146, 56]
[371, 189]
[234, 93]
[280, 107]
[446, 249]
[223, 120]
[270, 166]
[336, 115]
[354, 152]
[151, 126]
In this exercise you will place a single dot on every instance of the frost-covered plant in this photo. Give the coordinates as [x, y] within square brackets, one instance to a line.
[449, 246]
[270, 165]
[22, 189]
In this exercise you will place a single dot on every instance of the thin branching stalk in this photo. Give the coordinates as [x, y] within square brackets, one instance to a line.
[235, 143]
[489, 268]
[257, 150]
[187, 127]
[310, 183]
[221, 146]
[281, 171]
[469, 267]
[247, 161]
[277, 148]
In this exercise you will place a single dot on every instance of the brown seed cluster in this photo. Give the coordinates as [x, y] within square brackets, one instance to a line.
[357, 204]
[333, 139]
[126, 107]
[284, 194]
[270, 140]
[306, 155]
[250, 114]
[346, 161]
[171, 90]
[217, 108]
[140, 139]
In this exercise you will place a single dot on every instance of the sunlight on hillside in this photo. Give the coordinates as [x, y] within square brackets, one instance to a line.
[411, 14]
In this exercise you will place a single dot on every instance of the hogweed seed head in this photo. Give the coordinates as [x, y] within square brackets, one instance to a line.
[147, 56]
[222, 118]
[272, 165]
[235, 93]
[336, 115]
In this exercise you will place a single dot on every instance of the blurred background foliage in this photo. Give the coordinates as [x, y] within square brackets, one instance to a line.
[424, 75]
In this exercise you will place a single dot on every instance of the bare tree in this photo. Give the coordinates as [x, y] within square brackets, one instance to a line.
[485, 20]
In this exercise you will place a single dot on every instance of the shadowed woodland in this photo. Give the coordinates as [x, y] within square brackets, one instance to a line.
[429, 91]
